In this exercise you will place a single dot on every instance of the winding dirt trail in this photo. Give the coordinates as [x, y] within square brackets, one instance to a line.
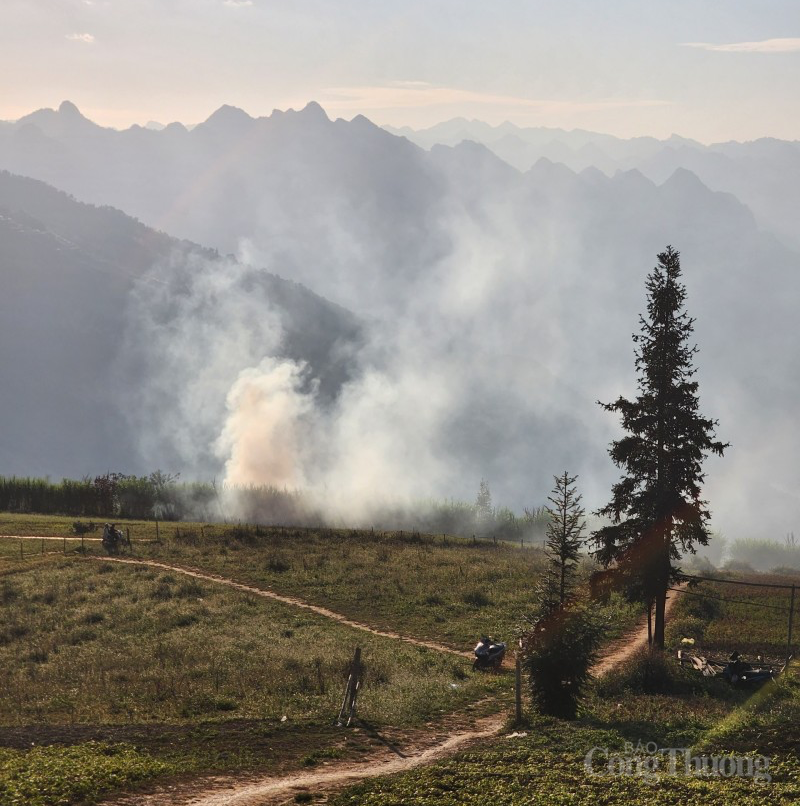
[290, 600]
[430, 745]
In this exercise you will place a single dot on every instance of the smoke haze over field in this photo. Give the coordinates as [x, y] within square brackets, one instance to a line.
[490, 310]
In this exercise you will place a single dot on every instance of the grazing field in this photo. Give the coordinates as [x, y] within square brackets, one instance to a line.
[159, 674]
[546, 765]
[544, 761]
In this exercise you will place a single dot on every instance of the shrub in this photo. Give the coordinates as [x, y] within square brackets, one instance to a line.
[648, 672]
[278, 564]
[701, 607]
[476, 598]
[558, 651]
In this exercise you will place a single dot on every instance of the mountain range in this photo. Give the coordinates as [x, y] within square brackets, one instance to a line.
[457, 318]
[764, 174]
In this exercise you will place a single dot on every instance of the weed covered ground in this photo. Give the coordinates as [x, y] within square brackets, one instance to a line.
[654, 706]
[440, 588]
[101, 642]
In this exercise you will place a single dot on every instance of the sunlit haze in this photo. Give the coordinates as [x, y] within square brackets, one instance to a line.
[709, 71]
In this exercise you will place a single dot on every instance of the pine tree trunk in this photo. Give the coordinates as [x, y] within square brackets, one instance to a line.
[661, 604]
[661, 599]
[650, 623]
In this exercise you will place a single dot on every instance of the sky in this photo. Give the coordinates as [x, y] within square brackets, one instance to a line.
[707, 69]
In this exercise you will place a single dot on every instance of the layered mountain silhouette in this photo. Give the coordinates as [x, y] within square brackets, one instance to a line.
[494, 305]
[764, 174]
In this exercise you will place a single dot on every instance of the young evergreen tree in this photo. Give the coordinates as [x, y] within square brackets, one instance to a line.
[656, 511]
[564, 536]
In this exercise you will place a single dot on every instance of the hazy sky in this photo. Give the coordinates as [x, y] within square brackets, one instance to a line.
[708, 69]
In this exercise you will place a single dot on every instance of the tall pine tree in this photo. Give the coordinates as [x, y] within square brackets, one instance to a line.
[655, 510]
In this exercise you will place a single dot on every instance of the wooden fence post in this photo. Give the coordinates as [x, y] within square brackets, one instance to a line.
[518, 692]
[158, 537]
[791, 620]
[21, 555]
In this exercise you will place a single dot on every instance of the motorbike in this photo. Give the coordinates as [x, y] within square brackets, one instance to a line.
[113, 540]
[741, 674]
[489, 654]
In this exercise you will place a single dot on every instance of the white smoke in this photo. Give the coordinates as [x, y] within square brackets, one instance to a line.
[484, 351]
[264, 437]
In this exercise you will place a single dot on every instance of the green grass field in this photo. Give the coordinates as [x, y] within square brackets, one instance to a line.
[157, 674]
[192, 676]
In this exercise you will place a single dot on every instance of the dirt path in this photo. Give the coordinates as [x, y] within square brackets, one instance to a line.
[283, 790]
[396, 754]
[629, 644]
[290, 600]
[50, 537]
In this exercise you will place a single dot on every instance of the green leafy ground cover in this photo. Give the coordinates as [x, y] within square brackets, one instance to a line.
[547, 765]
[59, 776]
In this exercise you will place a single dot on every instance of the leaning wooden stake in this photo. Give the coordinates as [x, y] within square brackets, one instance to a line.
[351, 689]
[791, 620]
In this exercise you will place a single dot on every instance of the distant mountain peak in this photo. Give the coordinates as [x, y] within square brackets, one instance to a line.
[313, 110]
[228, 115]
[633, 178]
[545, 168]
[685, 179]
[68, 109]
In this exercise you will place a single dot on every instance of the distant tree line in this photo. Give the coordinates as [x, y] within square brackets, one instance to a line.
[111, 495]
[163, 496]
